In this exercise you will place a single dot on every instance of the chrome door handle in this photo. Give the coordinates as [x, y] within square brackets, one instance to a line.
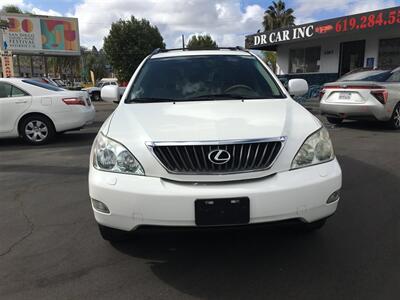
[21, 101]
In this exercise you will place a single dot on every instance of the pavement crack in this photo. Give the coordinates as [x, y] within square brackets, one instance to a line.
[28, 221]
[17, 197]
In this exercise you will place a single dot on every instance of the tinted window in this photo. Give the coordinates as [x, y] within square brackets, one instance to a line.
[372, 75]
[395, 77]
[7, 90]
[42, 85]
[195, 77]
[16, 92]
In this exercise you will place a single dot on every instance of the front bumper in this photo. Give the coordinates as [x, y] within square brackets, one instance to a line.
[139, 200]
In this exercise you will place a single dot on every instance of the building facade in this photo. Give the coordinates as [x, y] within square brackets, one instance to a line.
[323, 51]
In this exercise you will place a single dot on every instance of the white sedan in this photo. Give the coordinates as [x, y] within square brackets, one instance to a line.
[36, 111]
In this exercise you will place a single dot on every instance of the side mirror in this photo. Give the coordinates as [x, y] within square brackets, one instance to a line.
[110, 93]
[297, 87]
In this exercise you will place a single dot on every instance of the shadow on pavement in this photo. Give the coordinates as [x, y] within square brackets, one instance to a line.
[366, 125]
[275, 263]
[73, 138]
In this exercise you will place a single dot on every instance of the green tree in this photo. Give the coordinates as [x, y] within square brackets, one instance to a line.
[11, 9]
[128, 43]
[8, 9]
[96, 61]
[201, 42]
[277, 16]
[270, 58]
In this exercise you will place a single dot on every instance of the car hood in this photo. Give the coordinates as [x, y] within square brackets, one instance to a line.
[134, 125]
[201, 120]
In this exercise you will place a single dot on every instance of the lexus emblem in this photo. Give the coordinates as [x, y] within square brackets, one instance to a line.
[219, 156]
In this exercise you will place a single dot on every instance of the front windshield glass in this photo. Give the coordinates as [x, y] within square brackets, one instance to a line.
[212, 77]
[371, 75]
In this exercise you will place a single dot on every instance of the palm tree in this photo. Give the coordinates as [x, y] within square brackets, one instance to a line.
[277, 16]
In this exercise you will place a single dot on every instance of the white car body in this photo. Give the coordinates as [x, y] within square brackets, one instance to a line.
[364, 98]
[164, 198]
[40, 101]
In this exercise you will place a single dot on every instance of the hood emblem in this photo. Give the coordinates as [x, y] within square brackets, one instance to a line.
[219, 156]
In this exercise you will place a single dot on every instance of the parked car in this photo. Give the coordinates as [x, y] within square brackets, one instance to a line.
[36, 111]
[95, 92]
[365, 94]
[210, 138]
[60, 83]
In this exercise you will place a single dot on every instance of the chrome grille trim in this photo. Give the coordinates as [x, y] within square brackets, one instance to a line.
[191, 157]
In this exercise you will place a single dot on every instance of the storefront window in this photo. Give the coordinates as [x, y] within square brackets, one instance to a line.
[389, 53]
[305, 60]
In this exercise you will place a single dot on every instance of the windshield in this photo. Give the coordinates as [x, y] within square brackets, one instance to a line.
[43, 85]
[371, 75]
[212, 77]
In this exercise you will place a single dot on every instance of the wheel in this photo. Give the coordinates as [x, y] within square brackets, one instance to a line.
[333, 120]
[310, 227]
[112, 234]
[395, 119]
[37, 130]
[96, 97]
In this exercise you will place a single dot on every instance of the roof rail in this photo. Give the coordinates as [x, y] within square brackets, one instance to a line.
[159, 50]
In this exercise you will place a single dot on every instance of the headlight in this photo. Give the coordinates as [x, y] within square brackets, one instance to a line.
[111, 156]
[316, 149]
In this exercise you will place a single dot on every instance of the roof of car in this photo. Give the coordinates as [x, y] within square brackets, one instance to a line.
[186, 52]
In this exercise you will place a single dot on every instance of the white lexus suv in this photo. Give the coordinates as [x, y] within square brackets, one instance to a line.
[210, 138]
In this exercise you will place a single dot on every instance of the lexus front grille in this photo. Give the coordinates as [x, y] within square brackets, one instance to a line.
[220, 157]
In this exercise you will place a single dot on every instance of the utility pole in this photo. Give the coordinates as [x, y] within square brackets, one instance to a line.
[183, 42]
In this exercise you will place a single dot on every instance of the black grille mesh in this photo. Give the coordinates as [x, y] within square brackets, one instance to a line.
[193, 159]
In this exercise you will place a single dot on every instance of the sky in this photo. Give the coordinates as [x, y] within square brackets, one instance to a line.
[227, 21]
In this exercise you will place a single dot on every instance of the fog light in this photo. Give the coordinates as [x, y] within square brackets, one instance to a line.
[334, 197]
[100, 206]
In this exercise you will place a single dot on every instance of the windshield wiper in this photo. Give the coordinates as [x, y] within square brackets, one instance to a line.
[150, 100]
[216, 96]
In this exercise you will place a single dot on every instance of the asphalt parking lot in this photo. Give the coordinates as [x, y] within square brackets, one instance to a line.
[50, 247]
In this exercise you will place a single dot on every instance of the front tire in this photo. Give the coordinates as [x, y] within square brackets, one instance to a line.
[96, 97]
[335, 121]
[112, 234]
[395, 119]
[37, 130]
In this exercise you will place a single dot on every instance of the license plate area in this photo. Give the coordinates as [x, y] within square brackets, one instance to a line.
[345, 96]
[214, 212]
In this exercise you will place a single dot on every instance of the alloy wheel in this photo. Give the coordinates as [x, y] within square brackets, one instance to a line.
[396, 117]
[36, 131]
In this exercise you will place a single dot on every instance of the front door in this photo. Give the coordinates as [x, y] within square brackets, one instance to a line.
[352, 56]
[13, 102]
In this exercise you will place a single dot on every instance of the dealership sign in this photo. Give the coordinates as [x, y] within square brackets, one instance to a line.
[387, 18]
[28, 34]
